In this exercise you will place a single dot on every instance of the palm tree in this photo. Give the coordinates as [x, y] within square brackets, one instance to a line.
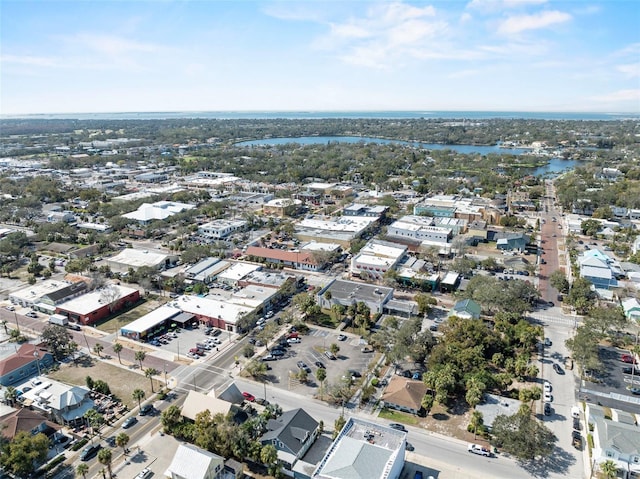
[321, 374]
[609, 469]
[98, 348]
[122, 440]
[11, 395]
[476, 421]
[138, 395]
[149, 373]
[104, 458]
[82, 470]
[117, 348]
[140, 355]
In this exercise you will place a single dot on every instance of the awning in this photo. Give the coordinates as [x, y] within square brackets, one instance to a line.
[182, 318]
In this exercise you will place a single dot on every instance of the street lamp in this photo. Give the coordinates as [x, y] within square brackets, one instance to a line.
[36, 355]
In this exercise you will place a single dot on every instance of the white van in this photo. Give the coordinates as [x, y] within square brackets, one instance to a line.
[575, 412]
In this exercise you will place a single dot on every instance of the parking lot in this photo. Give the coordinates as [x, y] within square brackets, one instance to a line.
[612, 379]
[187, 339]
[310, 350]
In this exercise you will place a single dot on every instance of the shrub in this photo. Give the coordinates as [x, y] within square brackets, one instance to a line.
[80, 444]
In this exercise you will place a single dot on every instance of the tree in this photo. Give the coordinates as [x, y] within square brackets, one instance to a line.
[580, 295]
[476, 421]
[82, 470]
[522, 435]
[338, 424]
[57, 339]
[11, 395]
[334, 348]
[590, 227]
[110, 295]
[140, 356]
[558, 280]
[425, 301]
[149, 373]
[321, 375]
[609, 469]
[105, 457]
[23, 453]
[171, 417]
[122, 440]
[138, 395]
[98, 348]
[95, 420]
[269, 457]
[302, 375]
[117, 348]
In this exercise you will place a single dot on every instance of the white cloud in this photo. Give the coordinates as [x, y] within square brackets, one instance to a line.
[112, 45]
[521, 23]
[619, 96]
[464, 74]
[499, 5]
[29, 60]
[630, 69]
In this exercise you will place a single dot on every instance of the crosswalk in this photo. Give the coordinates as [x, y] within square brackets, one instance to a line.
[548, 319]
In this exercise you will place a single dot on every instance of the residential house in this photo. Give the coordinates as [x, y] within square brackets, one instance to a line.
[191, 462]
[292, 434]
[511, 241]
[631, 307]
[595, 266]
[23, 364]
[466, 308]
[60, 402]
[404, 394]
[26, 420]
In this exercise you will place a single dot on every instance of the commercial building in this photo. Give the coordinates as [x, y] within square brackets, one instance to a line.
[213, 312]
[348, 293]
[376, 258]
[341, 230]
[24, 364]
[137, 258]
[46, 294]
[357, 209]
[282, 207]
[64, 404]
[206, 270]
[420, 228]
[301, 260]
[219, 229]
[148, 212]
[236, 272]
[98, 304]
[155, 322]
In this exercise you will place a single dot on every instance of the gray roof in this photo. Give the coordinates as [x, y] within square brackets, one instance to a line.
[615, 435]
[357, 459]
[292, 429]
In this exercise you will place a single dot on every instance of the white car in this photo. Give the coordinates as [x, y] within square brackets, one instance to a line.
[548, 397]
[547, 387]
[293, 340]
[144, 474]
[480, 450]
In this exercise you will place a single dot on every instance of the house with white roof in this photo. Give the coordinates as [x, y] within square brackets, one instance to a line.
[148, 212]
[631, 307]
[63, 403]
[191, 462]
[364, 450]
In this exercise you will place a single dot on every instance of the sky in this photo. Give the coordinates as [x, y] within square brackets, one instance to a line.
[88, 56]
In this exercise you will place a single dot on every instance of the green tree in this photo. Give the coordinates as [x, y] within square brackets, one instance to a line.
[117, 348]
[140, 356]
[476, 421]
[425, 301]
[105, 457]
[57, 339]
[138, 395]
[95, 420]
[609, 469]
[11, 395]
[338, 424]
[23, 453]
[269, 457]
[122, 440]
[590, 227]
[334, 348]
[82, 469]
[171, 418]
[522, 436]
[559, 281]
[321, 375]
[98, 348]
[149, 373]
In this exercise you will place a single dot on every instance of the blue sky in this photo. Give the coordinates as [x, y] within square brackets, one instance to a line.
[209, 55]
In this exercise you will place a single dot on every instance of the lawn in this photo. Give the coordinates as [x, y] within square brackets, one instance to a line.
[398, 416]
[146, 305]
[121, 381]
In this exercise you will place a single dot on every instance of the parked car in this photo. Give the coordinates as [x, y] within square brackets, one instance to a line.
[547, 409]
[409, 447]
[269, 357]
[548, 397]
[547, 342]
[146, 410]
[294, 340]
[547, 387]
[480, 450]
[319, 365]
[627, 358]
[262, 401]
[31, 314]
[557, 368]
[278, 352]
[398, 427]
[89, 451]
[303, 365]
[635, 391]
[342, 337]
[144, 474]
[130, 421]
[249, 397]
[330, 355]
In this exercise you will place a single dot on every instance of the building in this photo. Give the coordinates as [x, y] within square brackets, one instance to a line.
[214, 312]
[156, 321]
[467, 309]
[364, 450]
[191, 462]
[357, 209]
[148, 212]
[44, 295]
[341, 230]
[631, 307]
[376, 258]
[60, 402]
[219, 229]
[60, 217]
[26, 420]
[302, 260]
[197, 402]
[348, 293]
[206, 270]
[282, 207]
[595, 266]
[511, 241]
[24, 364]
[98, 304]
[404, 394]
[450, 282]
[420, 228]
[292, 434]
[137, 258]
[616, 439]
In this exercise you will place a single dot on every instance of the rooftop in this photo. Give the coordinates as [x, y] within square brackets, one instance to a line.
[89, 302]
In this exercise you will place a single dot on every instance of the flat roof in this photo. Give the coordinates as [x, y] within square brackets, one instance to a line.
[136, 258]
[36, 291]
[89, 302]
[346, 290]
[151, 319]
[237, 271]
[344, 223]
[212, 308]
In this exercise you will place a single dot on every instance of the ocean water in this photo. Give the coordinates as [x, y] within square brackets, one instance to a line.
[293, 115]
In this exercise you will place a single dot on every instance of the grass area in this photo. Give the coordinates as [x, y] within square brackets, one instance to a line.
[398, 416]
[121, 381]
[146, 305]
[322, 319]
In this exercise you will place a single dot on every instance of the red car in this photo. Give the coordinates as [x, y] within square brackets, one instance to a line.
[249, 397]
[627, 358]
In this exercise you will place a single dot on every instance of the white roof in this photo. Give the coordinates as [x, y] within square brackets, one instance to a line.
[149, 320]
[135, 258]
[37, 290]
[345, 223]
[91, 301]
[237, 271]
[212, 308]
[191, 462]
[316, 246]
[320, 186]
[384, 250]
[157, 211]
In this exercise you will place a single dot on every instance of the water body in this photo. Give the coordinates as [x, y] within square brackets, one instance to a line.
[316, 140]
[311, 115]
[555, 166]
